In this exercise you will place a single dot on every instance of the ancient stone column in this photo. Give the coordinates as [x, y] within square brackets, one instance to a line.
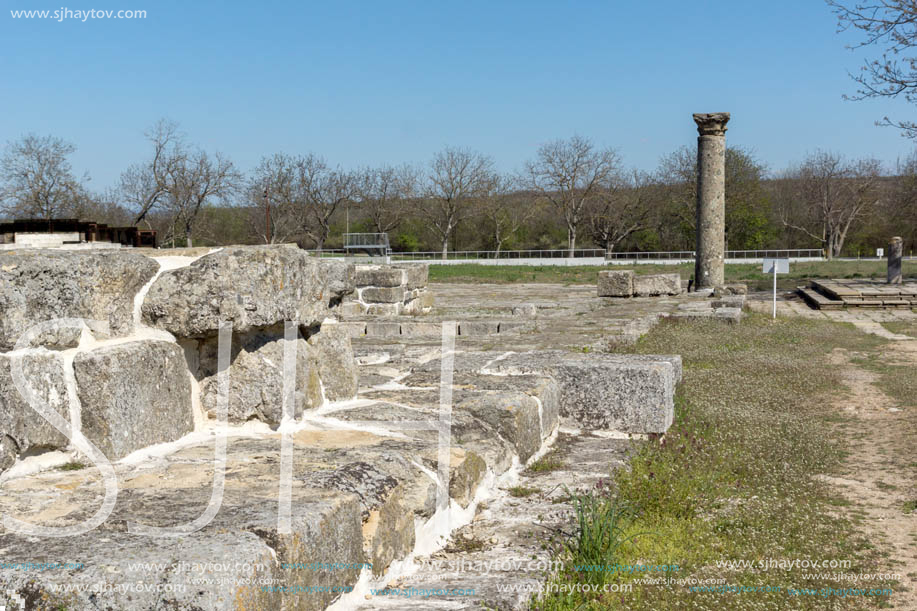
[710, 243]
[895, 252]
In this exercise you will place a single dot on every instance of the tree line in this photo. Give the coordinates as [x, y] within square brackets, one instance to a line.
[569, 194]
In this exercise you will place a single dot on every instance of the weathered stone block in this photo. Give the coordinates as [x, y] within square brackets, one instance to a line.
[256, 379]
[526, 310]
[351, 308]
[415, 275]
[384, 309]
[421, 329]
[478, 327]
[730, 289]
[133, 395]
[337, 367]
[374, 294]
[22, 429]
[354, 329]
[514, 415]
[517, 326]
[652, 285]
[616, 283]
[379, 276]
[383, 329]
[729, 301]
[42, 285]
[612, 392]
[229, 564]
[251, 286]
[732, 315]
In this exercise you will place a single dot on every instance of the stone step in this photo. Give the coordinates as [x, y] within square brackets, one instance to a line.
[503, 547]
[819, 301]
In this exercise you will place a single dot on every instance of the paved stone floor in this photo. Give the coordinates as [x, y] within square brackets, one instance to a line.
[570, 317]
[868, 320]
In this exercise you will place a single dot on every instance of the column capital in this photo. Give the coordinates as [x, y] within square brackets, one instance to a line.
[711, 123]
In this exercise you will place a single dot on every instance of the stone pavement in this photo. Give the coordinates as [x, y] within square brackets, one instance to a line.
[868, 320]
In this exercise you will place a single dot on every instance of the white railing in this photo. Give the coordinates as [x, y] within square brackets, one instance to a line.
[792, 253]
[587, 256]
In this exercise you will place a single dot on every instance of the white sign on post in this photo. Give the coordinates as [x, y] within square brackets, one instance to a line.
[776, 266]
[880, 252]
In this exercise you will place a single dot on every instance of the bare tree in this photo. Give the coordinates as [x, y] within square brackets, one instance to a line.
[502, 211]
[144, 185]
[37, 179]
[457, 178]
[567, 173]
[831, 195]
[891, 24]
[276, 199]
[385, 194]
[620, 208]
[324, 189]
[747, 204]
[198, 181]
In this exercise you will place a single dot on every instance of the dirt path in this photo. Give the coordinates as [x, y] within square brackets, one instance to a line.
[880, 475]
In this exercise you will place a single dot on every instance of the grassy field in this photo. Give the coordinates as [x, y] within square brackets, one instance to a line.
[586, 274]
[734, 479]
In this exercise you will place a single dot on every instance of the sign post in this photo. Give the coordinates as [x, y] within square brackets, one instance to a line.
[776, 266]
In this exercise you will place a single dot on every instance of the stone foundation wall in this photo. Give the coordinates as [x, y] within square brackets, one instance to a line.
[131, 360]
[390, 290]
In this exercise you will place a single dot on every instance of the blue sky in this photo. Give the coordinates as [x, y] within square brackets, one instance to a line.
[391, 82]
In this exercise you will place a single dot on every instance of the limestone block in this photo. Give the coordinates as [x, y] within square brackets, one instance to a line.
[652, 285]
[22, 429]
[383, 329]
[415, 274]
[375, 294]
[526, 310]
[133, 395]
[251, 286]
[379, 276]
[515, 415]
[616, 283]
[730, 289]
[41, 285]
[611, 392]
[354, 329]
[478, 327]
[337, 367]
[421, 329]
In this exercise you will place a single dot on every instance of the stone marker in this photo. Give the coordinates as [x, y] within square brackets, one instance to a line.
[711, 199]
[895, 250]
[616, 283]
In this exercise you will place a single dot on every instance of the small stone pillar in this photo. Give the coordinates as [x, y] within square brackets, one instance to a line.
[895, 252]
[710, 244]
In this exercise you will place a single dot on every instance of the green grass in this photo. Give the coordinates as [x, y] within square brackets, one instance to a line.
[549, 462]
[522, 491]
[733, 478]
[586, 274]
[896, 381]
[71, 466]
[904, 327]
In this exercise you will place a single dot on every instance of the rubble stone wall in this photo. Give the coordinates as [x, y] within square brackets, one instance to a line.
[136, 352]
[390, 290]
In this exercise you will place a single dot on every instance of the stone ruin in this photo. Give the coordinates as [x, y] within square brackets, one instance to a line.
[389, 290]
[388, 451]
[845, 293]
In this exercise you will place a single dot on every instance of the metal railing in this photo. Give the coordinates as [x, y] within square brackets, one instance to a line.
[793, 253]
[503, 254]
[366, 240]
[580, 253]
